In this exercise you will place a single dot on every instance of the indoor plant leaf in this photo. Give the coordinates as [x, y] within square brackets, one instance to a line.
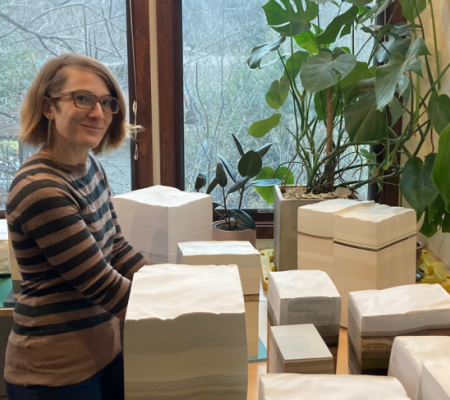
[433, 218]
[287, 20]
[267, 173]
[412, 8]
[332, 30]
[264, 149]
[278, 92]
[228, 168]
[364, 122]
[221, 176]
[323, 70]
[294, 64]
[395, 110]
[212, 186]
[200, 181]
[439, 109]
[307, 41]
[239, 184]
[263, 127]
[238, 145]
[441, 175]
[242, 218]
[258, 52]
[250, 164]
[417, 184]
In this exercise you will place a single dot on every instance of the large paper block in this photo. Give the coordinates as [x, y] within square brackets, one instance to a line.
[298, 349]
[305, 297]
[409, 353]
[315, 253]
[358, 269]
[240, 253]
[329, 387]
[435, 382]
[317, 219]
[155, 219]
[252, 324]
[185, 334]
[375, 226]
[376, 317]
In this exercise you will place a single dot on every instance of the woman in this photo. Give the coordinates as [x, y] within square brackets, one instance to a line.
[75, 263]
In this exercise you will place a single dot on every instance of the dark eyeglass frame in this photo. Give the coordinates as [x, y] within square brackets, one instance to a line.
[94, 100]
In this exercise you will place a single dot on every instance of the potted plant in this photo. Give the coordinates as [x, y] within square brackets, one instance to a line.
[234, 223]
[335, 105]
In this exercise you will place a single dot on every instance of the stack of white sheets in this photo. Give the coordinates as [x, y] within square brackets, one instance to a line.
[408, 355]
[155, 219]
[376, 317]
[329, 387]
[435, 380]
[185, 334]
[305, 297]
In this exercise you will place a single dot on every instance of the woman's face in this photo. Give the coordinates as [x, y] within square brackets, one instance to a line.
[80, 129]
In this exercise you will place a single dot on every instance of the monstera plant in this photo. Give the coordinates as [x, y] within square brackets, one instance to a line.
[334, 104]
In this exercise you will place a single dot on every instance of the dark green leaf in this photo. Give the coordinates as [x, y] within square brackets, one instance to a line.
[258, 52]
[441, 175]
[433, 218]
[417, 184]
[200, 181]
[294, 64]
[221, 177]
[288, 21]
[212, 186]
[238, 145]
[250, 164]
[242, 218]
[364, 122]
[228, 168]
[412, 8]
[395, 109]
[260, 128]
[264, 149]
[439, 109]
[278, 92]
[334, 27]
[322, 70]
[215, 205]
[239, 184]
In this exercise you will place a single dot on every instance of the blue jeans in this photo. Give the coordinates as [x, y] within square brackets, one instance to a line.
[106, 384]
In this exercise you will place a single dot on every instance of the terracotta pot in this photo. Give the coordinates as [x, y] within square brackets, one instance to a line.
[221, 234]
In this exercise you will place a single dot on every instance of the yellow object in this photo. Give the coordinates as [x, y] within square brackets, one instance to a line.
[434, 272]
[267, 265]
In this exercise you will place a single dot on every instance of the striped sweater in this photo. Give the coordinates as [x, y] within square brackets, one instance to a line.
[76, 268]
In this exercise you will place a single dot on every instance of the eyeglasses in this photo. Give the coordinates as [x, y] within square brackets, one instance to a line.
[87, 101]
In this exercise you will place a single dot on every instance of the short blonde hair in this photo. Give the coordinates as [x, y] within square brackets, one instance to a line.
[50, 80]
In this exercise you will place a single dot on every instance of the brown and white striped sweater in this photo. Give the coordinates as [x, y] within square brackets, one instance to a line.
[76, 268]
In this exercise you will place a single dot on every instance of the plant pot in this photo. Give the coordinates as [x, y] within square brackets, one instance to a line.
[222, 234]
[285, 229]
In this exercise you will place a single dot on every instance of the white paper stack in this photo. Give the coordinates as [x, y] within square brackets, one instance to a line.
[185, 334]
[155, 219]
[409, 353]
[374, 248]
[435, 380]
[329, 387]
[305, 297]
[240, 253]
[298, 349]
[376, 317]
[248, 260]
[316, 232]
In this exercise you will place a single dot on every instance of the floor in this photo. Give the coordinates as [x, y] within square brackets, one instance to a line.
[255, 370]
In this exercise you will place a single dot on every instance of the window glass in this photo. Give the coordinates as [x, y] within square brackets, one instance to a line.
[31, 32]
[222, 96]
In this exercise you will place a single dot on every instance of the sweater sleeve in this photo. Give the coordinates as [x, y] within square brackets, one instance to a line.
[125, 259]
[47, 212]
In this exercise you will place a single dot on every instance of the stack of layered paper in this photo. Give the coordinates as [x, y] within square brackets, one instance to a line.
[315, 233]
[329, 387]
[155, 219]
[298, 349]
[305, 297]
[435, 380]
[185, 334]
[409, 353]
[376, 317]
[248, 260]
[374, 248]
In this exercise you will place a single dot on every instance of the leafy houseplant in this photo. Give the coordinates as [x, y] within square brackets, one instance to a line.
[249, 166]
[338, 102]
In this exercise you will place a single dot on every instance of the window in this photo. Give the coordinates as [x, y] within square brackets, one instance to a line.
[31, 32]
